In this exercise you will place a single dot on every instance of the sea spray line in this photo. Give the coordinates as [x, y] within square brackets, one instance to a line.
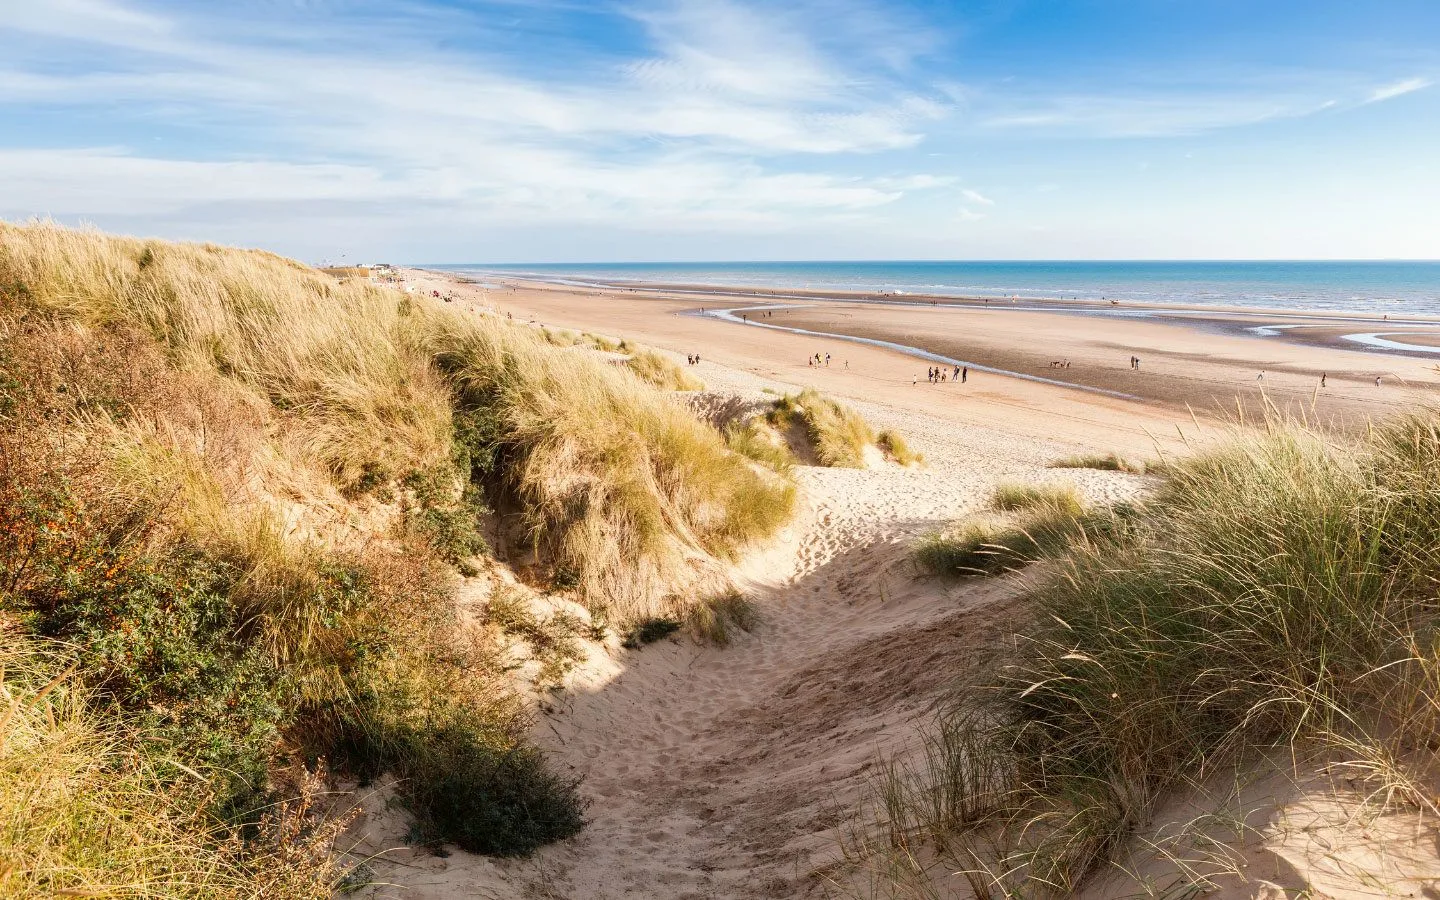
[728, 315]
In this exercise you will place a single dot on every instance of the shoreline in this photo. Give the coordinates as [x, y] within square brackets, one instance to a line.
[898, 298]
[1217, 363]
[1334, 329]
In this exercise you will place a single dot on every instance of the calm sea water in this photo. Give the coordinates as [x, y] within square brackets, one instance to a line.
[1401, 287]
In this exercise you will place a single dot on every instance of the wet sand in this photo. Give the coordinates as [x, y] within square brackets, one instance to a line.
[1195, 363]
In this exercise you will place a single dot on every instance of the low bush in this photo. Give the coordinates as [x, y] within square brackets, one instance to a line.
[649, 631]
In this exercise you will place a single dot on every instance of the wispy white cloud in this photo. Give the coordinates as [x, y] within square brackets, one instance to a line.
[976, 197]
[1399, 88]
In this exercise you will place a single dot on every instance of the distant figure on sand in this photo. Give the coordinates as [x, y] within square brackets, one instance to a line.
[1377, 380]
[1322, 379]
[964, 374]
[1261, 376]
[955, 376]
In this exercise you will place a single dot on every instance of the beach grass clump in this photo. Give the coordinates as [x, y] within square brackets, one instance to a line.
[994, 546]
[894, 446]
[605, 344]
[661, 371]
[1019, 496]
[835, 433]
[716, 619]
[1105, 462]
[1274, 595]
[758, 440]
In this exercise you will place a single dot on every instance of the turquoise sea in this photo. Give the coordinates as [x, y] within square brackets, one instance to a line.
[1396, 287]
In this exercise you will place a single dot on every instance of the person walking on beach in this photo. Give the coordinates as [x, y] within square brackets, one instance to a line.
[964, 374]
[1322, 379]
[847, 364]
[1261, 376]
[827, 360]
[955, 376]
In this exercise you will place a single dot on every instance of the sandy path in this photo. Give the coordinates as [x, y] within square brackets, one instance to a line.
[726, 772]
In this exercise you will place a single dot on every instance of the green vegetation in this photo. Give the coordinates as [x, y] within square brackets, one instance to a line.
[1277, 595]
[649, 631]
[759, 441]
[1107, 462]
[83, 814]
[893, 445]
[835, 433]
[236, 490]
[716, 618]
[662, 372]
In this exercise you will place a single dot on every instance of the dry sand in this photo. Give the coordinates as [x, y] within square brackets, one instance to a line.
[735, 772]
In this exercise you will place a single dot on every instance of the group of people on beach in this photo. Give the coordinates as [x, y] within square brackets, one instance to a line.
[939, 375]
[692, 359]
[818, 360]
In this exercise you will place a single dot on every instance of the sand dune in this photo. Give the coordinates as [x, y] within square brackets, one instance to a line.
[736, 771]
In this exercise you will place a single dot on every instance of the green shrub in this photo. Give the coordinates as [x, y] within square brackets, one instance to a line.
[648, 632]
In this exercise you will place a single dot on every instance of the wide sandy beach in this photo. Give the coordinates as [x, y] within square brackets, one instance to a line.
[1198, 362]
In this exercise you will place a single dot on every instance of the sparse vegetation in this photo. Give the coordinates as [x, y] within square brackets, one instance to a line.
[649, 631]
[759, 441]
[662, 371]
[893, 445]
[1011, 496]
[1105, 462]
[1276, 595]
[553, 640]
[716, 618]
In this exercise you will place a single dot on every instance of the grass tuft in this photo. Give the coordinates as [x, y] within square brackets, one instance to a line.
[895, 447]
[1105, 462]
[835, 432]
[716, 619]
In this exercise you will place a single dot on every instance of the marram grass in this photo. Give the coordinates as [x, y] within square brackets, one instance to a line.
[1276, 595]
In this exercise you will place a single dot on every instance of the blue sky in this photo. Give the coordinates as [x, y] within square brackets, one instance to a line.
[554, 130]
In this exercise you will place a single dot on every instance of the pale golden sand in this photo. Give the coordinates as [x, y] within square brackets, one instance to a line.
[733, 772]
